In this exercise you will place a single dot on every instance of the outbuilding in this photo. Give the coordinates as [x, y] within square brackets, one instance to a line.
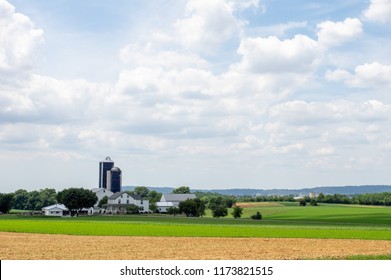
[56, 210]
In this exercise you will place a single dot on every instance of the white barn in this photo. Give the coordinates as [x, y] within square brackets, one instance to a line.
[172, 200]
[55, 210]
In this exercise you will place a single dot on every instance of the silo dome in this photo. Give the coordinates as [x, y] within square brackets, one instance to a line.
[115, 169]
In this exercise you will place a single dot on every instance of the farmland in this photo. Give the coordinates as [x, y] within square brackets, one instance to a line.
[280, 221]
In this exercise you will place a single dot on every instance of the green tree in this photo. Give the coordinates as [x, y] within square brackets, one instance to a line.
[200, 207]
[142, 191]
[76, 199]
[188, 207]
[173, 211]
[132, 209]
[237, 212]
[302, 202]
[21, 199]
[192, 207]
[215, 202]
[183, 189]
[313, 202]
[320, 197]
[47, 197]
[6, 202]
[154, 196]
[102, 201]
[220, 211]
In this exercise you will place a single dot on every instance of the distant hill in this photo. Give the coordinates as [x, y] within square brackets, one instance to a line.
[347, 190]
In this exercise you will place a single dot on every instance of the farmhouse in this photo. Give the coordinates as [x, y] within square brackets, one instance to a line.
[120, 201]
[101, 193]
[172, 200]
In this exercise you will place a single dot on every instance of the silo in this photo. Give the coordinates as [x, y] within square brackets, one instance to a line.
[104, 166]
[115, 179]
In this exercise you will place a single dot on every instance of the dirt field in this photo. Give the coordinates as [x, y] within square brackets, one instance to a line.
[257, 204]
[21, 246]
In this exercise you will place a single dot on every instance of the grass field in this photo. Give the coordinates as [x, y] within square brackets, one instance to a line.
[279, 220]
[286, 230]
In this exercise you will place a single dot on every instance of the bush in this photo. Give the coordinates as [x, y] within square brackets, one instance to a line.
[313, 202]
[257, 216]
[132, 209]
[302, 202]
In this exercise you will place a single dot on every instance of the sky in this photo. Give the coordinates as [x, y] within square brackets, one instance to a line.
[207, 94]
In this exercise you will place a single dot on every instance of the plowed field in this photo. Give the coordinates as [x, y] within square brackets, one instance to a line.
[22, 246]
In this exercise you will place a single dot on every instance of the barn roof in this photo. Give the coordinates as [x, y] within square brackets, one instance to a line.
[175, 197]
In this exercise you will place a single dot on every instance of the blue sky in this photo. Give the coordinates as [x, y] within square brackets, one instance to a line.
[209, 94]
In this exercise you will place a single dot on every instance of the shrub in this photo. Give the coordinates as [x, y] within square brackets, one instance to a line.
[257, 216]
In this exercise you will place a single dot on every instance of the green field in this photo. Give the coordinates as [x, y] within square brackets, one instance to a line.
[285, 220]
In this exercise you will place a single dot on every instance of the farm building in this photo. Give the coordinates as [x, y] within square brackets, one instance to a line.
[61, 210]
[101, 193]
[172, 200]
[118, 203]
[55, 210]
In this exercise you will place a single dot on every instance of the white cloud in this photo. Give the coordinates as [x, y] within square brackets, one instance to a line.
[273, 55]
[18, 41]
[333, 34]
[371, 75]
[337, 75]
[135, 55]
[208, 24]
[379, 10]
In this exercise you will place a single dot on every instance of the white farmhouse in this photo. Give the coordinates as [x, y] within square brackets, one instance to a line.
[101, 193]
[118, 202]
[172, 200]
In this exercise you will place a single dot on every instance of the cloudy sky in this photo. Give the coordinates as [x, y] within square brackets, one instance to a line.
[209, 94]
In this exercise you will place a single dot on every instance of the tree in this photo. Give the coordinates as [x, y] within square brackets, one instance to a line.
[238, 211]
[200, 207]
[302, 202]
[188, 207]
[132, 209]
[154, 196]
[102, 201]
[173, 211]
[219, 211]
[6, 202]
[257, 216]
[313, 202]
[142, 191]
[192, 207]
[320, 197]
[20, 199]
[183, 189]
[76, 199]
[215, 202]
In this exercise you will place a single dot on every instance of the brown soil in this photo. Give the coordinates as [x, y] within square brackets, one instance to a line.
[22, 246]
[257, 204]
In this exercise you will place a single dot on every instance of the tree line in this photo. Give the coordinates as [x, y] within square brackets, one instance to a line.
[383, 198]
[217, 203]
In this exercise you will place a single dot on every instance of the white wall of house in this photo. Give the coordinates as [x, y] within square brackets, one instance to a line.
[119, 203]
[101, 193]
